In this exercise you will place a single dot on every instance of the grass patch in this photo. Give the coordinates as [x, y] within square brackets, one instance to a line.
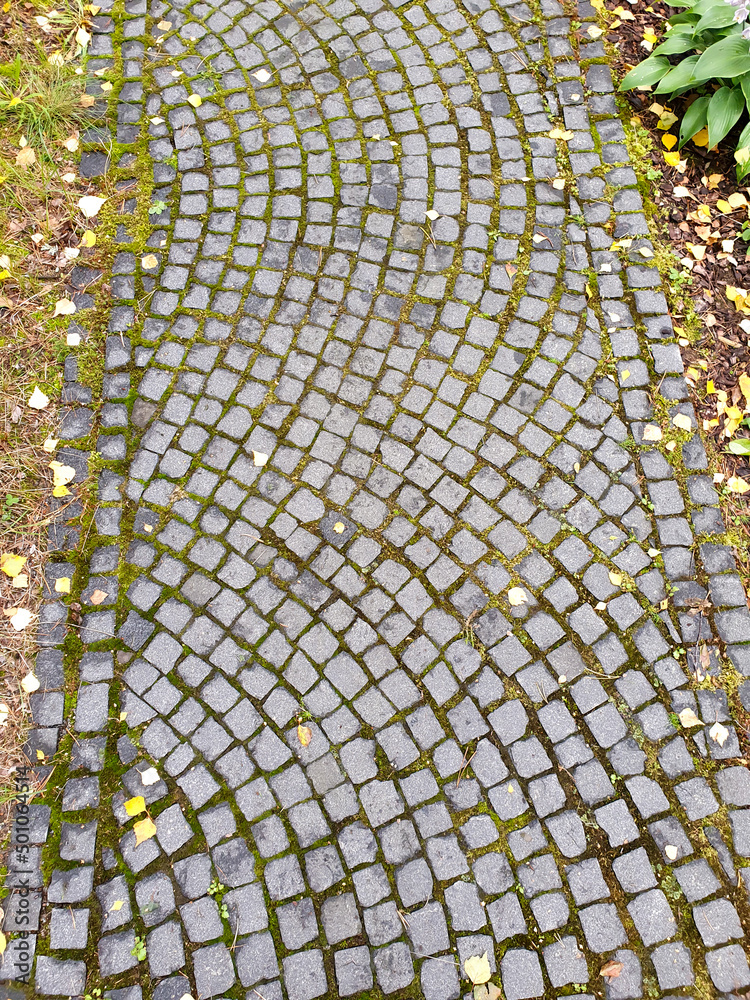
[44, 111]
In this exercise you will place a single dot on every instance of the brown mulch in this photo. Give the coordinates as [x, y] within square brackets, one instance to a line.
[721, 351]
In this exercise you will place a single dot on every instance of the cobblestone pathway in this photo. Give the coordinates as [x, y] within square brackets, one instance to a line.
[336, 433]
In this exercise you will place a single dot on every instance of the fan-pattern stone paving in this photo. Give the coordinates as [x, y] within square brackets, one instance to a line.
[336, 432]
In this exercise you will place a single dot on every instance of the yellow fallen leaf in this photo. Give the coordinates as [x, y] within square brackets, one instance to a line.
[88, 239]
[30, 683]
[615, 578]
[60, 491]
[123, 716]
[106, 86]
[90, 205]
[517, 596]
[70, 178]
[671, 851]
[671, 159]
[26, 157]
[432, 215]
[20, 582]
[666, 121]
[682, 421]
[50, 445]
[3, 942]
[262, 75]
[64, 307]
[744, 384]
[477, 969]
[20, 618]
[560, 133]
[150, 776]
[701, 138]
[559, 183]
[164, 25]
[688, 718]
[339, 527]
[669, 141]
[723, 206]
[259, 458]
[654, 552]
[144, 830]
[737, 199]
[97, 596]
[62, 585]
[680, 191]
[12, 565]
[304, 734]
[150, 261]
[135, 805]
[195, 100]
[625, 375]
[72, 142]
[594, 31]
[82, 37]
[4, 713]
[62, 474]
[736, 484]
[117, 906]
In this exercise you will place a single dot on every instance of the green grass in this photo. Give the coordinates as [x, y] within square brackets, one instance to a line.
[41, 101]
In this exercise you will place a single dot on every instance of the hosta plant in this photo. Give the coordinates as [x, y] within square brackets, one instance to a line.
[707, 49]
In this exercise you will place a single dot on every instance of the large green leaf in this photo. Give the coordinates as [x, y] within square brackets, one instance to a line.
[724, 110]
[687, 18]
[676, 42]
[743, 147]
[694, 119]
[719, 16]
[741, 446]
[724, 59]
[704, 6]
[680, 77]
[744, 82]
[647, 73]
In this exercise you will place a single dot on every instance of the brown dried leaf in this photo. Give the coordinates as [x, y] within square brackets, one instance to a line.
[611, 969]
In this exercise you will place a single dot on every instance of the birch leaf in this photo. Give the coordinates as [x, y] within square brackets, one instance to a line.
[64, 307]
[30, 683]
[90, 205]
[150, 776]
[718, 733]
[517, 596]
[144, 830]
[477, 969]
[38, 400]
[20, 618]
[135, 805]
[304, 734]
[688, 718]
[12, 565]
